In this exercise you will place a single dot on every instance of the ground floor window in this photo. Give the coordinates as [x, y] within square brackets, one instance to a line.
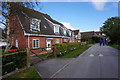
[65, 40]
[78, 40]
[57, 41]
[35, 43]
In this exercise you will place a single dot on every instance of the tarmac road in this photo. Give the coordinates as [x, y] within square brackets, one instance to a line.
[96, 62]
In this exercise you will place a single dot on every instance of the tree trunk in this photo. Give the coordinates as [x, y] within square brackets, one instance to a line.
[8, 30]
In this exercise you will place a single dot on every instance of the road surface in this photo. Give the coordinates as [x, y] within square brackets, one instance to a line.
[96, 62]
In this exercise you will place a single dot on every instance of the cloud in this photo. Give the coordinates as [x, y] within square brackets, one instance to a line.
[99, 4]
[97, 30]
[68, 25]
[115, 4]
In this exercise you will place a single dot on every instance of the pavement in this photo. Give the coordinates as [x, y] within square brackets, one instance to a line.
[96, 62]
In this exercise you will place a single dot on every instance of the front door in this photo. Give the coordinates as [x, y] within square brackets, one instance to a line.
[48, 44]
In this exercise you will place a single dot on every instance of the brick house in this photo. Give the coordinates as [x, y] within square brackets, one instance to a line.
[33, 29]
[77, 36]
[90, 34]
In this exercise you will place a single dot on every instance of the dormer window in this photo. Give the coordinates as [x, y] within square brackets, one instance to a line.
[64, 31]
[56, 28]
[35, 24]
[72, 34]
[69, 33]
[45, 26]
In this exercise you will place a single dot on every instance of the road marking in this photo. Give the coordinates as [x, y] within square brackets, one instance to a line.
[91, 55]
[100, 55]
[73, 60]
[62, 68]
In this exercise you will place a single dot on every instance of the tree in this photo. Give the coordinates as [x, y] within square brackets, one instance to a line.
[111, 28]
[5, 17]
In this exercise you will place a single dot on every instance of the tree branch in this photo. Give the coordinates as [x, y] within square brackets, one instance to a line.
[4, 14]
[3, 23]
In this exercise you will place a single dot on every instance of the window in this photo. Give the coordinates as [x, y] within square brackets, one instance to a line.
[45, 26]
[72, 34]
[35, 23]
[57, 40]
[64, 31]
[16, 43]
[35, 43]
[65, 40]
[56, 28]
[76, 36]
[69, 33]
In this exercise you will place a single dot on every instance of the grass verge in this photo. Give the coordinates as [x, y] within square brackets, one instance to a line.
[71, 54]
[28, 73]
[115, 46]
[75, 53]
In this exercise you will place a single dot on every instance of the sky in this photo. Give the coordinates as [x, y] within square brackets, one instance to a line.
[85, 16]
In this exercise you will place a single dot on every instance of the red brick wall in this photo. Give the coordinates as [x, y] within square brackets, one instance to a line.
[23, 40]
[65, 39]
[18, 33]
[54, 40]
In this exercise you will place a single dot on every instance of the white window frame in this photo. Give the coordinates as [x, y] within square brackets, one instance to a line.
[16, 42]
[35, 43]
[73, 34]
[69, 33]
[65, 40]
[45, 27]
[65, 31]
[37, 27]
[76, 36]
[57, 41]
[56, 26]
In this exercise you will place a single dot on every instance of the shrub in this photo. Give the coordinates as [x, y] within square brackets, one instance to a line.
[64, 48]
[13, 61]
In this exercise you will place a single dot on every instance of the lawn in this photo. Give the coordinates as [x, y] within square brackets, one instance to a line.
[115, 46]
[28, 73]
[43, 55]
[71, 54]
[75, 53]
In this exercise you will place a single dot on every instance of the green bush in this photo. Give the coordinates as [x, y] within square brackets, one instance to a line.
[64, 48]
[96, 39]
[13, 61]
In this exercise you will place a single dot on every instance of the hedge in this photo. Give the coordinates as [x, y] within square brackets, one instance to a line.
[63, 48]
[13, 61]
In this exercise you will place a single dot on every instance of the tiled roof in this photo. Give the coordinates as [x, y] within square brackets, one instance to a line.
[25, 14]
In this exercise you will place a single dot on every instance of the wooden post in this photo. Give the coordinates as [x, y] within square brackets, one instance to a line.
[28, 57]
[54, 51]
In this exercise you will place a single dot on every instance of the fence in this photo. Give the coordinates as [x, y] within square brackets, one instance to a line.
[56, 50]
[13, 61]
[21, 59]
[49, 51]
